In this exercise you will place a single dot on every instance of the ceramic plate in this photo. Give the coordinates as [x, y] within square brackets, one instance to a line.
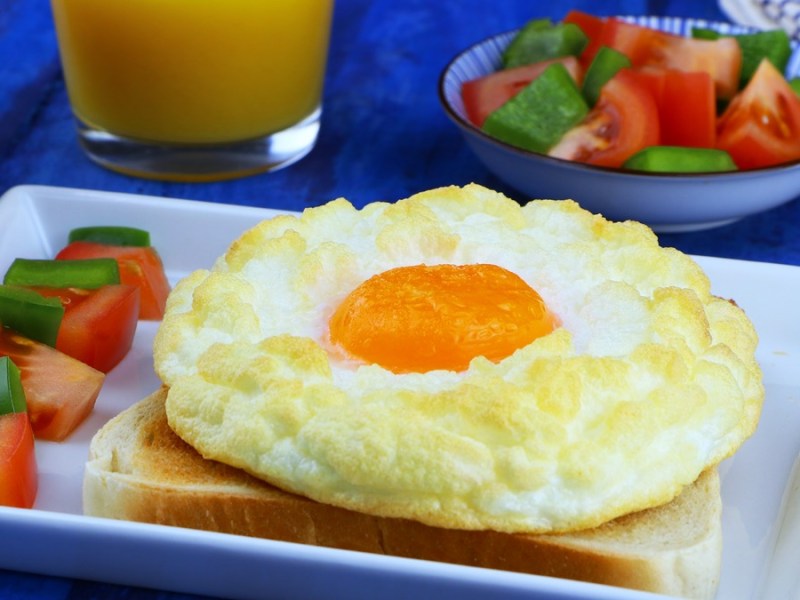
[55, 539]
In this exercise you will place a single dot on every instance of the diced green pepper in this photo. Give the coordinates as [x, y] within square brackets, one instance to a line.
[12, 396]
[773, 45]
[606, 63]
[538, 116]
[794, 83]
[540, 40]
[30, 314]
[675, 159]
[87, 274]
[703, 33]
[111, 234]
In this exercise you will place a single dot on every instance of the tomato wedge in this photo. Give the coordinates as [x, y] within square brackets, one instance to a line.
[624, 121]
[485, 95]
[761, 126]
[138, 265]
[720, 58]
[98, 325]
[60, 391]
[18, 474]
[686, 105]
[688, 110]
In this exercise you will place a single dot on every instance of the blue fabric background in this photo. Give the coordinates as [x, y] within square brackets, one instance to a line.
[384, 135]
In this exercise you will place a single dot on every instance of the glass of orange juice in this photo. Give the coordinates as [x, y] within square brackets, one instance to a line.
[194, 90]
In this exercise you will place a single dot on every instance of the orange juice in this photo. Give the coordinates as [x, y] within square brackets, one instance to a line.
[193, 71]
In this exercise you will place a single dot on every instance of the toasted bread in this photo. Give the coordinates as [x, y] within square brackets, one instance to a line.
[140, 470]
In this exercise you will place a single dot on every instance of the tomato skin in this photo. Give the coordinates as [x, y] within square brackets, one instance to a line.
[60, 391]
[688, 110]
[98, 325]
[19, 479]
[138, 265]
[653, 80]
[761, 126]
[624, 121]
[484, 95]
[686, 105]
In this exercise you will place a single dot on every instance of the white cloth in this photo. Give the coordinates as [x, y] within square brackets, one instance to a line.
[765, 14]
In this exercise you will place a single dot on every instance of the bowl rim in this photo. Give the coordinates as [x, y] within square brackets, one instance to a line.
[471, 129]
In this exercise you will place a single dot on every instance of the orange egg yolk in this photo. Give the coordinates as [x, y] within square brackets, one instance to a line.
[421, 318]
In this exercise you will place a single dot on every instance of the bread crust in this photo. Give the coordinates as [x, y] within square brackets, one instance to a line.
[140, 470]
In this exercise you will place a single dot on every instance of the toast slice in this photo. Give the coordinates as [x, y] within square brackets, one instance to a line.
[140, 470]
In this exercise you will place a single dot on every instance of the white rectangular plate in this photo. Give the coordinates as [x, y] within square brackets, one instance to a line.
[56, 539]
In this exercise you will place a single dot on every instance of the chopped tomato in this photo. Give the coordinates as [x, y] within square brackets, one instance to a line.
[634, 41]
[60, 391]
[688, 110]
[720, 58]
[761, 125]
[624, 121]
[139, 266]
[651, 78]
[484, 95]
[98, 325]
[593, 28]
[686, 106]
[18, 474]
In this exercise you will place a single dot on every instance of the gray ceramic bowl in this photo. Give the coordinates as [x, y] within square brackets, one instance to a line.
[665, 202]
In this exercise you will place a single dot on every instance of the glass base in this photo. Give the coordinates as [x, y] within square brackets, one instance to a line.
[200, 162]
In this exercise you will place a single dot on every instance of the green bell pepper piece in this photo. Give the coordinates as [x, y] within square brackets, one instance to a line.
[606, 63]
[540, 40]
[676, 159]
[12, 396]
[114, 235]
[703, 33]
[538, 116]
[87, 274]
[773, 45]
[30, 314]
[794, 83]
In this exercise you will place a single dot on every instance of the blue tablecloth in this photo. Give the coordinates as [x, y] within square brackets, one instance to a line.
[384, 137]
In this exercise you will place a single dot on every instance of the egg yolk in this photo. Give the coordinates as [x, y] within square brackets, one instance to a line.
[421, 318]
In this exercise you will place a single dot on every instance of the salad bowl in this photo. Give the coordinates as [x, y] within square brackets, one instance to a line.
[666, 202]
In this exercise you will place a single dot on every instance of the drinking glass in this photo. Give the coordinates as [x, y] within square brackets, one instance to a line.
[194, 90]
